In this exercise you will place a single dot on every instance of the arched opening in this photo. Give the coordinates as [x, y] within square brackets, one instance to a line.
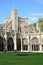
[42, 43]
[1, 44]
[42, 47]
[10, 44]
[35, 44]
[18, 44]
[25, 44]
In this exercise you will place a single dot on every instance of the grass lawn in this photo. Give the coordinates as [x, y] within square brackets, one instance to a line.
[13, 59]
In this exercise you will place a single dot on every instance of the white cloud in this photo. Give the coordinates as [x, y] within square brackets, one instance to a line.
[39, 1]
[33, 19]
[36, 14]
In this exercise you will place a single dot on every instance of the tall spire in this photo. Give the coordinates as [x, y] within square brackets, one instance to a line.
[13, 4]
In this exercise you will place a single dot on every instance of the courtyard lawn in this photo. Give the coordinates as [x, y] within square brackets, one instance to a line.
[13, 59]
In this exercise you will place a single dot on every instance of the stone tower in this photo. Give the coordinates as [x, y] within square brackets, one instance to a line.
[14, 18]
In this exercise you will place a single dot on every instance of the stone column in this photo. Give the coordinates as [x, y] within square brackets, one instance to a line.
[33, 48]
[21, 45]
[28, 44]
[15, 44]
[5, 41]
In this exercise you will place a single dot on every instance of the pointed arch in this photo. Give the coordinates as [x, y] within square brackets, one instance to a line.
[25, 44]
[10, 44]
[35, 44]
[35, 41]
[19, 44]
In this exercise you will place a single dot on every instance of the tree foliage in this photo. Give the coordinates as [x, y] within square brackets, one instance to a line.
[40, 21]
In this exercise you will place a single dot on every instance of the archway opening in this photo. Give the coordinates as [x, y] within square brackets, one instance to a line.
[10, 44]
[25, 44]
[35, 44]
[42, 47]
[42, 44]
[1, 44]
[18, 44]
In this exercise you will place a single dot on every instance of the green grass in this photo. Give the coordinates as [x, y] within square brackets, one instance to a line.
[13, 59]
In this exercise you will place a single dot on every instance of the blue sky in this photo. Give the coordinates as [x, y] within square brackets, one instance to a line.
[33, 9]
